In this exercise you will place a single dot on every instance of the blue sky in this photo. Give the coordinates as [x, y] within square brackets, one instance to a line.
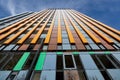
[106, 11]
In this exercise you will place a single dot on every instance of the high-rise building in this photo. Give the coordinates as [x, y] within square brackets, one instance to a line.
[58, 44]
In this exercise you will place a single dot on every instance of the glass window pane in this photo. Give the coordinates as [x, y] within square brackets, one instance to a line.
[9, 47]
[4, 74]
[94, 75]
[90, 63]
[50, 62]
[116, 56]
[94, 46]
[66, 46]
[48, 75]
[114, 73]
[22, 75]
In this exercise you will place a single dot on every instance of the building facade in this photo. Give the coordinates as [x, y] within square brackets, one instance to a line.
[58, 44]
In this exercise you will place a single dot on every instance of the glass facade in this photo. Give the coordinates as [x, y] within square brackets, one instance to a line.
[58, 44]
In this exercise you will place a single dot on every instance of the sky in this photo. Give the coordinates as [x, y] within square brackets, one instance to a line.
[106, 11]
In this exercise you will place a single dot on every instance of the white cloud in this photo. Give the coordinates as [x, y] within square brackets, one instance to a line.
[8, 5]
[12, 6]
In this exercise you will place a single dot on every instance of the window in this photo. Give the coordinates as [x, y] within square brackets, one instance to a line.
[9, 47]
[59, 75]
[87, 47]
[106, 62]
[90, 63]
[50, 62]
[94, 46]
[68, 61]
[36, 75]
[94, 75]
[65, 41]
[48, 75]
[22, 75]
[4, 74]
[66, 46]
[114, 73]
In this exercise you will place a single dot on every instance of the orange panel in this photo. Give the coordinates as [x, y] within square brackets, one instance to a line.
[15, 24]
[95, 30]
[47, 39]
[20, 32]
[110, 28]
[34, 40]
[31, 31]
[14, 29]
[84, 40]
[87, 31]
[106, 31]
[59, 38]
[71, 39]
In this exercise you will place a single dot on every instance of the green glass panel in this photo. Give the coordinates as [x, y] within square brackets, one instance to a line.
[59, 53]
[91, 52]
[75, 52]
[40, 61]
[107, 52]
[21, 62]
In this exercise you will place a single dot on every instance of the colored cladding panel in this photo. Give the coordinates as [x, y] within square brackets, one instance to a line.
[107, 27]
[84, 40]
[33, 29]
[95, 30]
[59, 53]
[20, 32]
[24, 47]
[11, 26]
[117, 37]
[59, 40]
[22, 61]
[16, 35]
[14, 29]
[85, 29]
[40, 61]
[107, 52]
[71, 39]
[91, 53]
[47, 39]
[34, 40]
[75, 52]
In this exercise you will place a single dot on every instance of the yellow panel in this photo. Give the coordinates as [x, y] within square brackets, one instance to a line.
[14, 29]
[15, 24]
[71, 39]
[33, 16]
[59, 40]
[17, 34]
[95, 30]
[34, 40]
[47, 39]
[110, 28]
[84, 40]
[31, 31]
[27, 35]
[11, 31]
[87, 31]
[115, 36]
